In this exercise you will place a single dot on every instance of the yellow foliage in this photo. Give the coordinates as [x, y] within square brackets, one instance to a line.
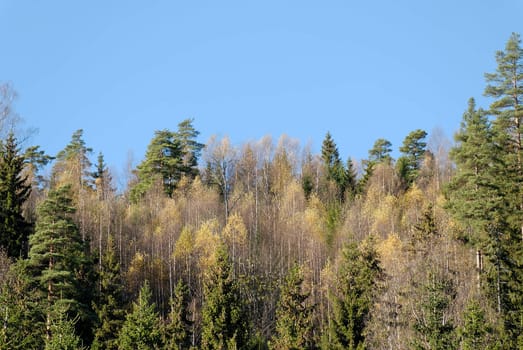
[185, 244]
[235, 231]
[206, 242]
[390, 250]
[313, 218]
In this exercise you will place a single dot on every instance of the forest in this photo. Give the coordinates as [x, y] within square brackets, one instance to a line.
[266, 245]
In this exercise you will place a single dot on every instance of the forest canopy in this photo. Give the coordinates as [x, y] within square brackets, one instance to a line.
[267, 245]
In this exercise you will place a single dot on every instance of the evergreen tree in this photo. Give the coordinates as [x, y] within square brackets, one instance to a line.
[163, 161]
[20, 310]
[177, 330]
[191, 149]
[57, 260]
[380, 152]
[293, 314]
[63, 332]
[141, 329]
[433, 328]
[224, 325]
[73, 164]
[413, 150]
[14, 191]
[109, 305]
[335, 171]
[355, 291]
[102, 178]
[474, 334]
[506, 244]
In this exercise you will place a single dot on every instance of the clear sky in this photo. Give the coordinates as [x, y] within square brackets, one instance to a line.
[360, 69]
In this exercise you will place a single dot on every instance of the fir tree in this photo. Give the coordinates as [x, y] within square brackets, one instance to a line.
[224, 325]
[358, 274]
[293, 314]
[14, 191]
[141, 329]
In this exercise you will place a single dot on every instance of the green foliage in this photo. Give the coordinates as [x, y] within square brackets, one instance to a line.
[62, 332]
[57, 262]
[380, 152]
[413, 150]
[73, 164]
[141, 329]
[170, 155]
[177, 330]
[357, 284]
[335, 171]
[433, 328]
[224, 322]
[21, 313]
[109, 302]
[474, 334]
[14, 191]
[294, 326]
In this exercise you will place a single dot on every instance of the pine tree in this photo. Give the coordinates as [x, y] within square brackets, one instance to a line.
[380, 152]
[355, 291]
[14, 191]
[224, 323]
[293, 314]
[163, 161]
[73, 165]
[109, 305]
[413, 150]
[191, 149]
[177, 330]
[57, 260]
[141, 329]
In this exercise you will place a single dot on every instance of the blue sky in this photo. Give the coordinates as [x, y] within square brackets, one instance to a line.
[360, 69]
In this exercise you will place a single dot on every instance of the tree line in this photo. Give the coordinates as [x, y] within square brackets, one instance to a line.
[267, 245]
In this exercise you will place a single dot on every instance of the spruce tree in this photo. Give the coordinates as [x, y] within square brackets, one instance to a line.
[177, 330]
[224, 323]
[14, 191]
[141, 329]
[63, 332]
[434, 331]
[293, 314]
[333, 166]
[475, 332]
[57, 260]
[21, 311]
[352, 298]
[109, 302]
